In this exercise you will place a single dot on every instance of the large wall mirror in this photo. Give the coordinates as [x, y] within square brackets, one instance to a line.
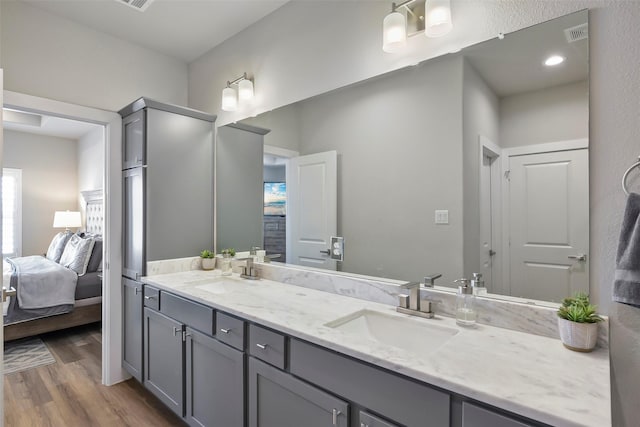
[473, 162]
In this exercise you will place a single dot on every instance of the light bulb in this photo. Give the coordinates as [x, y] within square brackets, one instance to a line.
[229, 99]
[553, 60]
[245, 90]
[437, 18]
[394, 32]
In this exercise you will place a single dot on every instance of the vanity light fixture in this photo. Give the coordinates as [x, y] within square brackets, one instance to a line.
[433, 17]
[554, 60]
[231, 98]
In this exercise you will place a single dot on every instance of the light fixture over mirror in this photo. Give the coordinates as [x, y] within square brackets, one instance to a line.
[412, 17]
[232, 98]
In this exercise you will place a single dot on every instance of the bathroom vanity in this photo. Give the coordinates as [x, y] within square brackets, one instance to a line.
[232, 352]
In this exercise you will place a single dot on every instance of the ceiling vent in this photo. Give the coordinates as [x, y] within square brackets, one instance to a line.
[140, 5]
[579, 32]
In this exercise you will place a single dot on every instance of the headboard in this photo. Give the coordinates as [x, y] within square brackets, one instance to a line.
[94, 212]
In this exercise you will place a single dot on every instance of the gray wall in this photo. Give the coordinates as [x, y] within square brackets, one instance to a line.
[558, 113]
[53, 57]
[90, 165]
[275, 173]
[239, 189]
[284, 124]
[49, 183]
[480, 117]
[388, 192]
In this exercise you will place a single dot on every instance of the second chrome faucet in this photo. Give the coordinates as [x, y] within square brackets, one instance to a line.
[412, 304]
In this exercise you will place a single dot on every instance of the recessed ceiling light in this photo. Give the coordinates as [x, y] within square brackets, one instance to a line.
[553, 60]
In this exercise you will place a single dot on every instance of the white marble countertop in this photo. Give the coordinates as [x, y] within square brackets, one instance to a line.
[526, 374]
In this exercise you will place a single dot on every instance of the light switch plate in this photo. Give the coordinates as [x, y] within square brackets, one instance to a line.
[442, 217]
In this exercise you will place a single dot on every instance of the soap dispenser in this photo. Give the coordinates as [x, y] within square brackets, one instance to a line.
[466, 314]
[478, 285]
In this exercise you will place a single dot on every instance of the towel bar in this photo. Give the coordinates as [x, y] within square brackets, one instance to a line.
[626, 174]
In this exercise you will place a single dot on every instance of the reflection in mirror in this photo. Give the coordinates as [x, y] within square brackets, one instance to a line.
[475, 162]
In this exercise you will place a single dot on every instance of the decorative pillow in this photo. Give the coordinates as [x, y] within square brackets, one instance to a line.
[77, 253]
[95, 261]
[57, 245]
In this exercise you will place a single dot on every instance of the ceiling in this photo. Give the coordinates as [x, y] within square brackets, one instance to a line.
[515, 64]
[183, 29]
[46, 125]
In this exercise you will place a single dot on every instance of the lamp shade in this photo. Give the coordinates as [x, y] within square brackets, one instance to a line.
[245, 90]
[67, 219]
[437, 18]
[394, 32]
[229, 99]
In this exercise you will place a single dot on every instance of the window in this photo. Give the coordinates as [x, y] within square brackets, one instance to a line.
[11, 212]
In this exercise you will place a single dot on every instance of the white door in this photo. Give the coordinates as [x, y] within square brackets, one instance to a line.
[312, 200]
[549, 224]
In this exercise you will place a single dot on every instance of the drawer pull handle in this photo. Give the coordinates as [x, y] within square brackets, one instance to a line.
[335, 416]
[225, 331]
[364, 425]
[149, 297]
[262, 346]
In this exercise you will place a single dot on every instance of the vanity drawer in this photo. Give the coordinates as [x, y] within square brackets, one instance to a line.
[267, 346]
[151, 297]
[403, 400]
[230, 330]
[368, 420]
[475, 416]
[190, 313]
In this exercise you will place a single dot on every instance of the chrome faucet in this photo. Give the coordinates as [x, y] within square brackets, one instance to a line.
[411, 304]
[430, 280]
[249, 270]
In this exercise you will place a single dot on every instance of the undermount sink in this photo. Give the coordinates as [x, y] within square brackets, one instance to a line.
[418, 336]
[218, 285]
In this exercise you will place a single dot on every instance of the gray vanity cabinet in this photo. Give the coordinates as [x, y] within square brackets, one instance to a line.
[475, 416]
[214, 382]
[164, 359]
[277, 399]
[132, 327]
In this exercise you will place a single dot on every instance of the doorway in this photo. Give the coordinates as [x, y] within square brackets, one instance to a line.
[112, 208]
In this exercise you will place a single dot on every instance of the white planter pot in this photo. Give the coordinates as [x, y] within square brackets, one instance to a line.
[578, 336]
[208, 263]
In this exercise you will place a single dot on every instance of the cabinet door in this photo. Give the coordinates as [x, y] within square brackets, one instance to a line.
[132, 327]
[164, 359]
[475, 416]
[133, 140]
[277, 399]
[215, 382]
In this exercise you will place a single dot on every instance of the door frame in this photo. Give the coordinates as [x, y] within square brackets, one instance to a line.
[286, 154]
[488, 147]
[507, 153]
[112, 371]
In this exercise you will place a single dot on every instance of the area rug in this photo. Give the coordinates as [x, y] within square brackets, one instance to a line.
[24, 354]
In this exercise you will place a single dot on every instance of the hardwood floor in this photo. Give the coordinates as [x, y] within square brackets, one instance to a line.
[69, 392]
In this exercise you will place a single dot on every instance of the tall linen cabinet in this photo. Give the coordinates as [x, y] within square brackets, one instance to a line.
[168, 201]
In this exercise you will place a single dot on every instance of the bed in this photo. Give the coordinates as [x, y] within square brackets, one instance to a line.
[53, 294]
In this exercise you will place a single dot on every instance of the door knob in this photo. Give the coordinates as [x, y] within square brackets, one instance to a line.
[579, 257]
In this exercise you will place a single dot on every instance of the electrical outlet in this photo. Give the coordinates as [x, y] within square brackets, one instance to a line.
[442, 217]
[337, 248]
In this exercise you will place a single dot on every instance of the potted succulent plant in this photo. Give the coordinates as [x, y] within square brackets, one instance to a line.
[578, 323]
[208, 259]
